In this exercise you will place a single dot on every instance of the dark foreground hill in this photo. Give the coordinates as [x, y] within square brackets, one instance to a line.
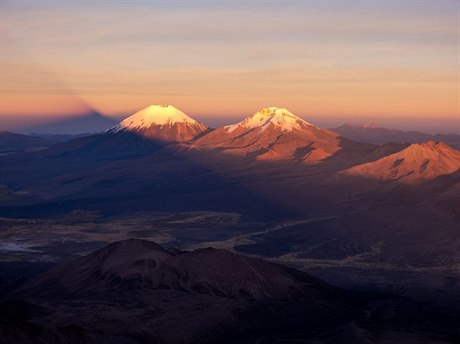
[135, 291]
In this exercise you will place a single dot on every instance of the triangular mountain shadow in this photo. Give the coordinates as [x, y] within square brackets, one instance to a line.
[92, 122]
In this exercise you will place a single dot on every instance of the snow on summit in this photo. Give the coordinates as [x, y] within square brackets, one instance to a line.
[273, 134]
[279, 117]
[155, 115]
[161, 122]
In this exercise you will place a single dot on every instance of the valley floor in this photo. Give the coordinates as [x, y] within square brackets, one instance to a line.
[30, 246]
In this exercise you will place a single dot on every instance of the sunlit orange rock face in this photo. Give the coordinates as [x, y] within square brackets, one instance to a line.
[162, 122]
[415, 164]
[273, 134]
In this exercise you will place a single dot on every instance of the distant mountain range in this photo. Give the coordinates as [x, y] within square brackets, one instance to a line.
[12, 142]
[272, 135]
[275, 134]
[373, 133]
[60, 137]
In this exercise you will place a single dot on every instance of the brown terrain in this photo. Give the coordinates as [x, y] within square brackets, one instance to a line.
[135, 291]
[415, 164]
[273, 134]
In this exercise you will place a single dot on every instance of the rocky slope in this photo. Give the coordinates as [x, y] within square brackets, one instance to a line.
[273, 134]
[415, 164]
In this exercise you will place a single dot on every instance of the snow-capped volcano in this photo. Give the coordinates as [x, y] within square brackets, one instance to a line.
[416, 163]
[162, 122]
[272, 116]
[273, 134]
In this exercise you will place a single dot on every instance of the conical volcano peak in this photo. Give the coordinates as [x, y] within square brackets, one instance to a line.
[156, 115]
[279, 117]
[273, 134]
[163, 122]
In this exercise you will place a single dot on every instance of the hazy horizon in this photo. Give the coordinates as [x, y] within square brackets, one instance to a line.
[442, 126]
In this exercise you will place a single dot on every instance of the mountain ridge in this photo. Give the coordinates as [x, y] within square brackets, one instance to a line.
[414, 164]
[141, 263]
[377, 134]
[13, 142]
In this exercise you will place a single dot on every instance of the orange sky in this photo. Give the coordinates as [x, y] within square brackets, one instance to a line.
[331, 59]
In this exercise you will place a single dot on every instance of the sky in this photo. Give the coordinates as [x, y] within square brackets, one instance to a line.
[391, 62]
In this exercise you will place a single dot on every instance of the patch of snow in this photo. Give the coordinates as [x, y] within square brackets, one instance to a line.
[279, 117]
[154, 115]
[371, 125]
[13, 247]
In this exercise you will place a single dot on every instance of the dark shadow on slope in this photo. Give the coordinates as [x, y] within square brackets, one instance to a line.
[302, 151]
[124, 172]
[225, 297]
[353, 153]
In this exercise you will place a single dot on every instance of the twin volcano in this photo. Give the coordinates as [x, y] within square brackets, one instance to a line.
[270, 134]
